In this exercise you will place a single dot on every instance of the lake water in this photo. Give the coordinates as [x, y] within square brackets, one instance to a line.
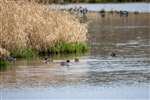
[97, 75]
[141, 7]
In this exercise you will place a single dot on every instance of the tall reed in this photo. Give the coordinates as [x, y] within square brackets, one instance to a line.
[31, 25]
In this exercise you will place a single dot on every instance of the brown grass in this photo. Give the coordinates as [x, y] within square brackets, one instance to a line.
[3, 53]
[31, 25]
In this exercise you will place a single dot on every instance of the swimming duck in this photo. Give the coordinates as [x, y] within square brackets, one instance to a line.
[113, 54]
[47, 60]
[65, 63]
[124, 13]
[136, 12]
[11, 59]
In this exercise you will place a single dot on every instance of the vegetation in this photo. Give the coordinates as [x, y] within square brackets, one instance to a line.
[3, 64]
[3, 53]
[24, 53]
[63, 47]
[28, 28]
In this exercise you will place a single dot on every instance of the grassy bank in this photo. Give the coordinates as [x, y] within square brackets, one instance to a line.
[24, 53]
[27, 28]
[3, 64]
[63, 47]
[57, 48]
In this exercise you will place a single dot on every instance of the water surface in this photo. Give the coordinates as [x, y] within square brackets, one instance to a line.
[97, 75]
[141, 7]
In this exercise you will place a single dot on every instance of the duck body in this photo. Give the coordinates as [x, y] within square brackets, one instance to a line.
[124, 13]
[10, 59]
[113, 54]
[65, 63]
[47, 60]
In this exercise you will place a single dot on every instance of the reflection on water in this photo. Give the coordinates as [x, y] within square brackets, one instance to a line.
[128, 37]
[141, 7]
[79, 92]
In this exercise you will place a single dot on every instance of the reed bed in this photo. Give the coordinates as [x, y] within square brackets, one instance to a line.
[29, 25]
[4, 53]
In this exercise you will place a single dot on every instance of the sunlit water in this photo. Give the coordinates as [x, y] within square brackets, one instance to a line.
[97, 75]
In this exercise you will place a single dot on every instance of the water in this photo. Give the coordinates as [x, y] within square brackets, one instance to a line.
[141, 7]
[97, 75]
[92, 92]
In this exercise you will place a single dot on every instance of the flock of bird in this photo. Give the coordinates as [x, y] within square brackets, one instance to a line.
[80, 11]
[48, 60]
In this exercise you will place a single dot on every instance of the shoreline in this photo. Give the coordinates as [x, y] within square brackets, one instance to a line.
[130, 7]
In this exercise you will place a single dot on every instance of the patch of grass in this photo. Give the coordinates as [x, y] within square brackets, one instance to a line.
[58, 48]
[3, 64]
[24, 53]
[63, 47]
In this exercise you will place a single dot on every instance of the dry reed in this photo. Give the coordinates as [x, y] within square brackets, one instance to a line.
[30, 25]
[3, 53]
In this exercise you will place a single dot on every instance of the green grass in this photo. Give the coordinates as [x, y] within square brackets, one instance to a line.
[24, 53]
[63, 47]
[58, 48]
[3, 64]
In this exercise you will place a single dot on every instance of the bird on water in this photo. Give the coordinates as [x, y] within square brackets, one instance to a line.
[113, 54]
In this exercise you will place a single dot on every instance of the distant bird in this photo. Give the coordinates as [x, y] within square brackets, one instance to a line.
[113, 54]
[103, 15]
[47, 60]
[102, 12]
[65, 63]
[111, 11]
[76, 59]
[136, 12]
[62, 63]
[124, 13]
[11, 59]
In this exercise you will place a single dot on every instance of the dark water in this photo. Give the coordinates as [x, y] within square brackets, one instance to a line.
[97, 75]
